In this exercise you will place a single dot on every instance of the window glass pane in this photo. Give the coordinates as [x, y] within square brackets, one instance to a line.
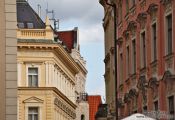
[30, 80]
[29, 117]
[35, 117]
[29, 25]
[35, 80]
[33, 113]
[33, 70]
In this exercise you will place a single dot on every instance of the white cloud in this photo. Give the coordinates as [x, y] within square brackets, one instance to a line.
[91, 34]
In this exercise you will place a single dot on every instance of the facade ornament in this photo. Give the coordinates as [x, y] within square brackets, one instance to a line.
[152, 10]
[165, 2]
[120, 41]
[126, 34]
[141, 19]
[142, 86]
[126, 97]
[132, 26]
[153, 84]
[64, 107]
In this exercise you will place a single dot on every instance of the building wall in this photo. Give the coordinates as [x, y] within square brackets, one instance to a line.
[8, 69]
[108, 25]
[137, 91]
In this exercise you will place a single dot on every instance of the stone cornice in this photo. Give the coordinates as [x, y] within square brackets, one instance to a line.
[59, 93]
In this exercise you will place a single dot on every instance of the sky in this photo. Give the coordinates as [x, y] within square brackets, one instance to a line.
[87, 15]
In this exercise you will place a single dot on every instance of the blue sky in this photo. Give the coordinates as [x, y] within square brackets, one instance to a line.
[87, 15]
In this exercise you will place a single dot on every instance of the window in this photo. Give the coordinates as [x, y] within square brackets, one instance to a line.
[121, 68]
[134, 56]
[82, 117]
[154, 42]
[21, 25]
[156, 105]
[169, 34]
[29, 25]
[33, 113]
[143, 50]
[145, 109]
[127, 61]
[33, 77]
[127, 6]
[156, 108]
[171, 106]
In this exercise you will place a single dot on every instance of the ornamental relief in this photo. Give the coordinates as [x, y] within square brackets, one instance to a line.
[65, 108]
[152, 11]
[170, 86]
[142, 19]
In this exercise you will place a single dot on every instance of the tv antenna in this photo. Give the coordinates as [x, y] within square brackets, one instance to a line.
[56, 21]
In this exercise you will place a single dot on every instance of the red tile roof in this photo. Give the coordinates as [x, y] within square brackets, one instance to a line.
[94, 102]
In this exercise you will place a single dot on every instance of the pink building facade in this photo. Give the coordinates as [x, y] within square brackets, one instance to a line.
[146, 57]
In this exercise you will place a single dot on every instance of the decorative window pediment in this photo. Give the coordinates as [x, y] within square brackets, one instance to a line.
[152, 10]
[133, 93]
[165, 2]
[168, 75]
[141, 19]
[153, 82]
[142, 82]
[143, 85]
[132, 27]
[33, 100]
[126, 97]
[120, 41]
[126, 33]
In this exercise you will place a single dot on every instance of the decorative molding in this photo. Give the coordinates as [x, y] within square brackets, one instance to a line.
[64, 107]
[141, 19]
[119, 41]
[132, 26]
[152, 10]
[33, 100]
[126, 33]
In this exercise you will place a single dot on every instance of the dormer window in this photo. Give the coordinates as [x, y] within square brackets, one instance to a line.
[20, 25]
[30, 25]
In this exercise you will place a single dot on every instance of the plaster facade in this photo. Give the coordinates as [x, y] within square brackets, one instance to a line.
[8, 66]
[145, 55]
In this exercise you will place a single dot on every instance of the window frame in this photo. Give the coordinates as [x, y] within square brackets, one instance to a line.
[171, 105]
[143, 49]
[27, 71]
[33, 114]
[134, 56]
[166, 33]
[154, 42]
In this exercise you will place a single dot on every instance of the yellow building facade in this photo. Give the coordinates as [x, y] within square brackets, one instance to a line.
[46, 71]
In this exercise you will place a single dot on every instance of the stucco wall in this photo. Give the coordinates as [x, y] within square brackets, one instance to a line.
[8, 69]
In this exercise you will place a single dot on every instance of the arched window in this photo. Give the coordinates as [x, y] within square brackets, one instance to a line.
[82, 117]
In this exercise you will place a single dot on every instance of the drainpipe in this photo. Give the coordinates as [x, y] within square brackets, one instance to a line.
[115, 55]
